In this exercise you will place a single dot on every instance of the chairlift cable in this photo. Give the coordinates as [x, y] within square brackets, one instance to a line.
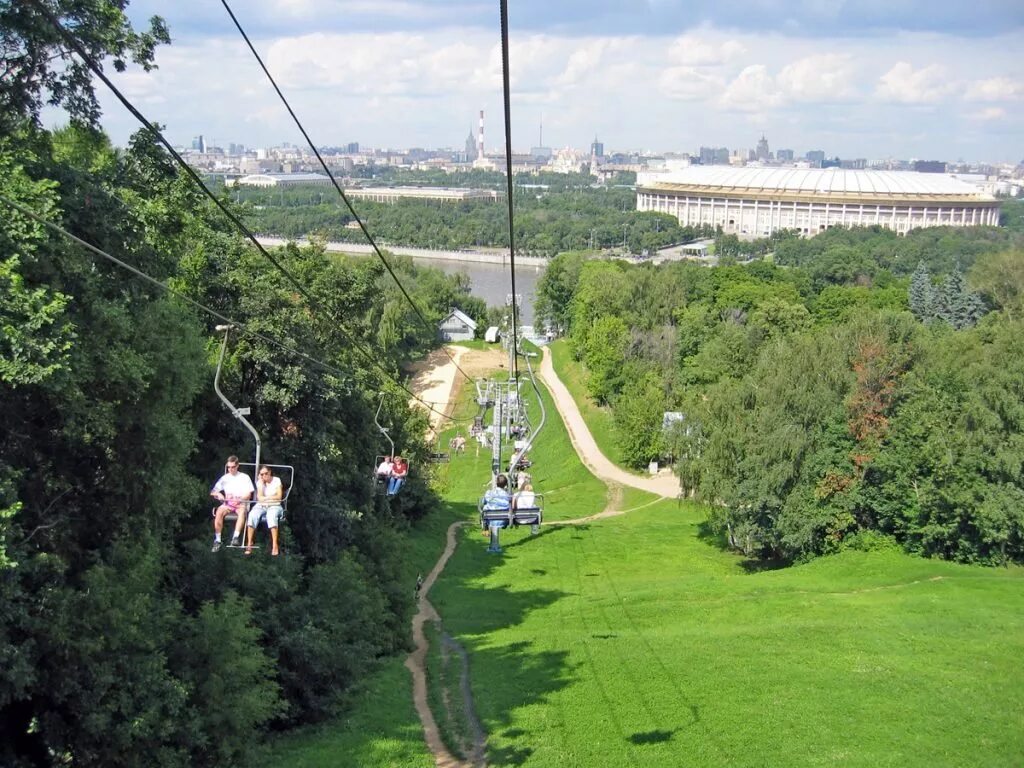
[506, 90]
[151, 127]
[94, 67]
[345, 375]
[348, 203]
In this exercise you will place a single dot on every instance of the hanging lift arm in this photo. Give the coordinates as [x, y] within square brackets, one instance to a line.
[238, 413]
[383, 431]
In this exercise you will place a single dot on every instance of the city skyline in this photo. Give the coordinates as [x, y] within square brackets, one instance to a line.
[875, 81]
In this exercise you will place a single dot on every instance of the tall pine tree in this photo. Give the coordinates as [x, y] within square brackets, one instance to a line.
[922, 294]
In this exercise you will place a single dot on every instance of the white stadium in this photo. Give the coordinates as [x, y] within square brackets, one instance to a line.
[755, 202]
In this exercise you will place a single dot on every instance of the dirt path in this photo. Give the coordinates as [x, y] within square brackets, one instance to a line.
[666, 485]
[416, 663]
[438, 382]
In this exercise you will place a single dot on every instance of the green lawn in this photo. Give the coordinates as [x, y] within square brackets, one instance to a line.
[599, 419]
[637, 641]
[633, 641]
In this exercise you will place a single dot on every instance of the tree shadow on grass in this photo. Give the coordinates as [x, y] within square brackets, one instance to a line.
[651, 737]
[505, 677]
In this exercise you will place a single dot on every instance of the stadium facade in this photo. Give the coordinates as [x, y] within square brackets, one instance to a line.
[756, 202]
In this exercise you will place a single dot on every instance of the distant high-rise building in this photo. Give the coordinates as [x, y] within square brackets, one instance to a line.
[784, 155]
[199, 143]
[929, 166]
[470, 146]
[352, 148]
[816, 157]
[541, 153]
[597, 148]
[714, 156]
[762, 152]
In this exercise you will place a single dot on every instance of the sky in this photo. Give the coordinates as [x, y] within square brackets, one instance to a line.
[942, 79]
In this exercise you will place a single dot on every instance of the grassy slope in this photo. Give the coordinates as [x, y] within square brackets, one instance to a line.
[599, 420]
[636, 641]
[632, 641]
[381, 727]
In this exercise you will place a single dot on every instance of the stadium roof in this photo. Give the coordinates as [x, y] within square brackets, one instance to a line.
[820, 181]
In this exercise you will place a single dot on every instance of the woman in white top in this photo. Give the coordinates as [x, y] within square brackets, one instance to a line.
[525, 498]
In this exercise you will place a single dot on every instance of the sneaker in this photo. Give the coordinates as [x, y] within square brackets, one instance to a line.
[215, 547]
[236, 541]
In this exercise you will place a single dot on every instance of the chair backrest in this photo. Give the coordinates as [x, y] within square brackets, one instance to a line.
[285, 472]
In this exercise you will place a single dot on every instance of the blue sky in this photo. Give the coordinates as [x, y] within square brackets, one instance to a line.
[901, 78]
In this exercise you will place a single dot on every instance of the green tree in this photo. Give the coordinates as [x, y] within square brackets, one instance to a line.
[639, 410]
[39, 68]
[922, 296]
[603, 356]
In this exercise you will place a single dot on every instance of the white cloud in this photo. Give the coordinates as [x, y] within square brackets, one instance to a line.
[689, 83]
[989, 113]
[697, 49]
[753, 90]
[995, 89]
[423, 88]
[906, 85]
[824, 78]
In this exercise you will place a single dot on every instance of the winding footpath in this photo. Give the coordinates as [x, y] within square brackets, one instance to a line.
[664, 486]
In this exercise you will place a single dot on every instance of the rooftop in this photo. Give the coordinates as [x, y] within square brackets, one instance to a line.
[818, 181]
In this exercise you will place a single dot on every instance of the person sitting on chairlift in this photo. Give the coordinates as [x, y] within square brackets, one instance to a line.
[399, 470]
[497, 499]
[269, 493]
[522, 479]
[384, 470]
[233, 491]
[525, 498]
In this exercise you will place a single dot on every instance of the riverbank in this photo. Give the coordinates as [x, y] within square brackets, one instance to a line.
[497, 257]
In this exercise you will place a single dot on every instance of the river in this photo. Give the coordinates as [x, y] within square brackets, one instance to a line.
[491, 282]
[488, 273]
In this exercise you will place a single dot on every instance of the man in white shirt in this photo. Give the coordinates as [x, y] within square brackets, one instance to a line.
[233, 491]
[384, 471]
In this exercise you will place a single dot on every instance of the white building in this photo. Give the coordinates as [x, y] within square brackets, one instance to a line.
[755, 202]
[283, 180]
[437, 194]
[457, 326]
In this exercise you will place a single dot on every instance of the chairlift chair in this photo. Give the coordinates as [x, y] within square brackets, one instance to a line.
[285, 471]
[494, 520]
[380, 480]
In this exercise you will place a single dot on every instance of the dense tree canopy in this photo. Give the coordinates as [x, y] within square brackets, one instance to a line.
[124, 640]
[817, 408]
[563, 217]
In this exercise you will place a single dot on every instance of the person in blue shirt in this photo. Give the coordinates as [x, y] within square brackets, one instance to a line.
[497, 499]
